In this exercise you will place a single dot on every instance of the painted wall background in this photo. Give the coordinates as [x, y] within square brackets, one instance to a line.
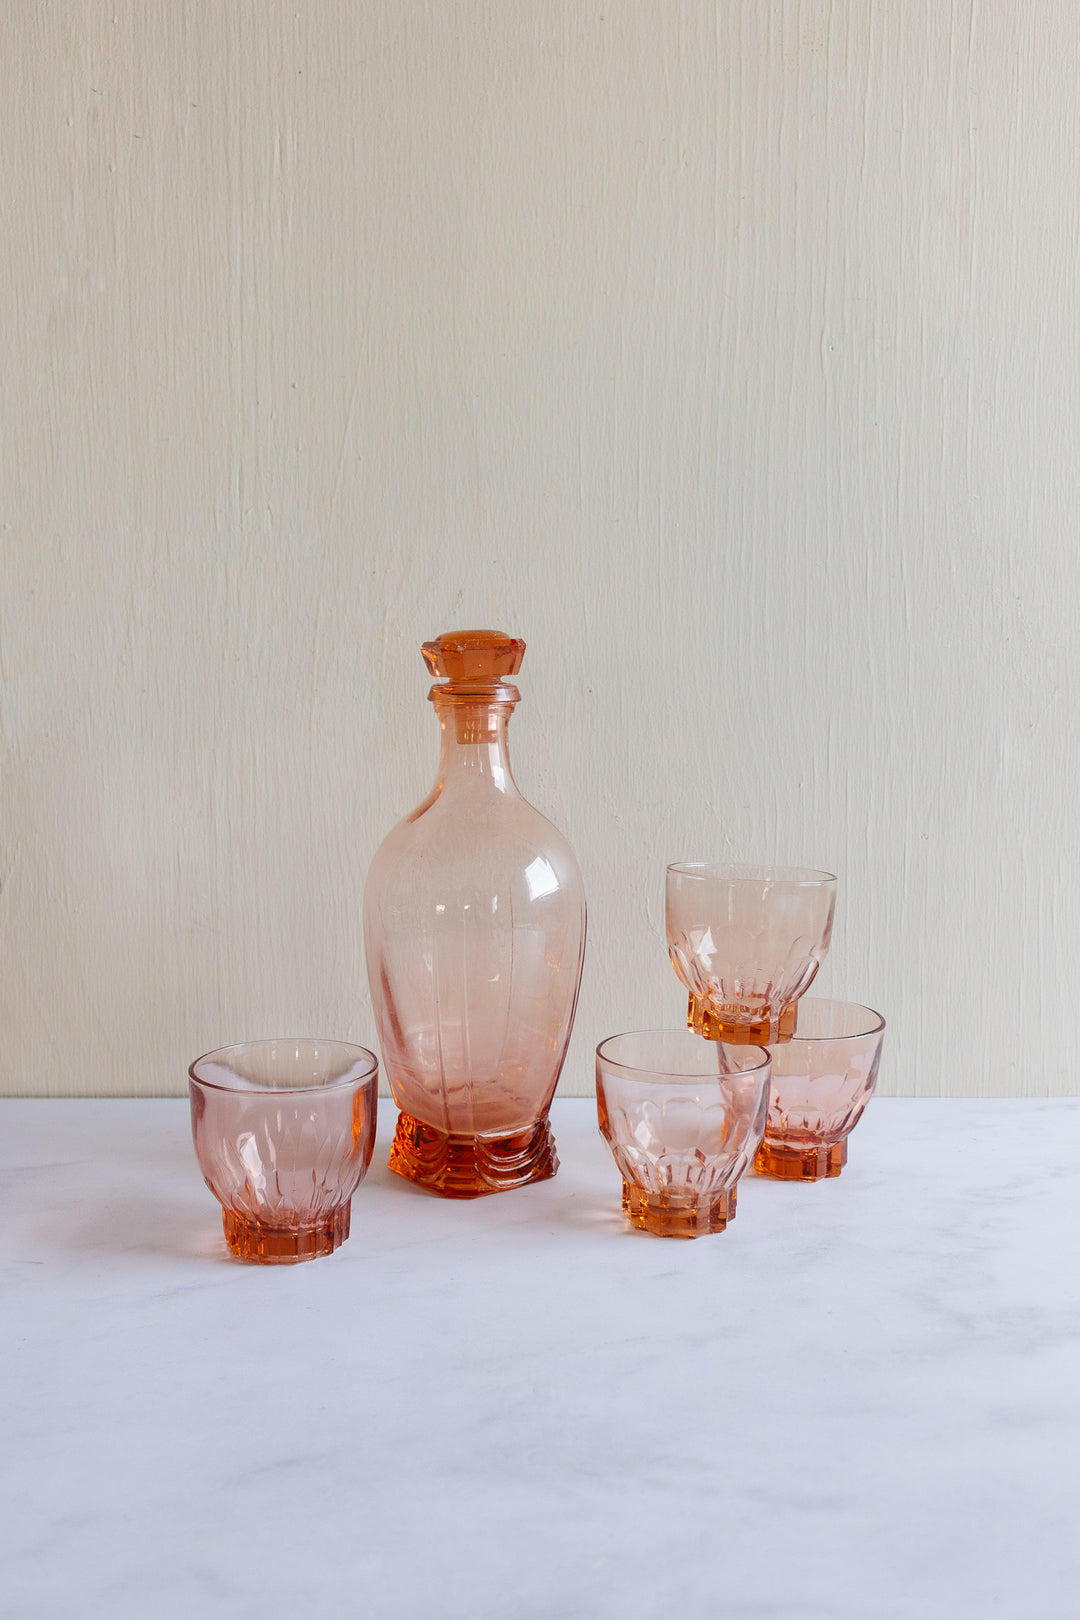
[729, 353]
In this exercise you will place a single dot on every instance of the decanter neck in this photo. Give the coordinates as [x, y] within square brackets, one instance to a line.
[475, 749]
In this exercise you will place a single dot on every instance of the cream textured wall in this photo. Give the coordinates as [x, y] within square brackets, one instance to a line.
[729, 353]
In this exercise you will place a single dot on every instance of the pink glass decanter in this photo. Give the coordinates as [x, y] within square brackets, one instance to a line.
[474, 930]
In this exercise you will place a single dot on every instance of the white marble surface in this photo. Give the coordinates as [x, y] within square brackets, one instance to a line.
[862, 1400]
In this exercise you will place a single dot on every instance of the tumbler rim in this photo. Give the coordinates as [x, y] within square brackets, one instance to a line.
[637, 1071]
[800, 876]
[364, 1061]
[873, 1024]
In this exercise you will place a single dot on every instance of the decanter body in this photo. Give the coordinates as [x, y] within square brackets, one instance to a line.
[474, 930]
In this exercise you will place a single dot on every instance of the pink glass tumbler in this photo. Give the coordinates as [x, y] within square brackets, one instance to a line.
[822, 1079]
[682, 1118]
[746, 941]
[283, 1133]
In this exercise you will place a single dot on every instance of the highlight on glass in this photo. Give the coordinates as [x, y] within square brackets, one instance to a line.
[682, 1118]
[283, 1132]
[747, 941]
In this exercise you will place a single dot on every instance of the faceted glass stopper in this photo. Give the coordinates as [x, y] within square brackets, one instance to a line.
[474, 657]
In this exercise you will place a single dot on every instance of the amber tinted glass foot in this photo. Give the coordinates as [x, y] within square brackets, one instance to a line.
[802, 1163]
[677, 1217]
[740, 1028]
[250, 1239]
[471, 1166]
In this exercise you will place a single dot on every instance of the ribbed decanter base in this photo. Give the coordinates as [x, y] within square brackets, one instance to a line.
[685, 1217]
[471, 1166]
[251, 1239]
[801, 1164]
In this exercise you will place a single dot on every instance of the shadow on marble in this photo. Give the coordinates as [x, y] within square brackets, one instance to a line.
[591, 1213]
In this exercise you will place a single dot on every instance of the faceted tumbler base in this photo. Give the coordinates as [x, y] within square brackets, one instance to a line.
[801, 1164]
[762, 1032]
[251, 1239]
[677, 1217]
[471, 1166]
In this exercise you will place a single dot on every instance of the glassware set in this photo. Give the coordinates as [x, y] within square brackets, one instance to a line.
[746, 941]
[474, 932]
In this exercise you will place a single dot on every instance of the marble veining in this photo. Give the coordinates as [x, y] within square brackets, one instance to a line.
[860, 1401]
